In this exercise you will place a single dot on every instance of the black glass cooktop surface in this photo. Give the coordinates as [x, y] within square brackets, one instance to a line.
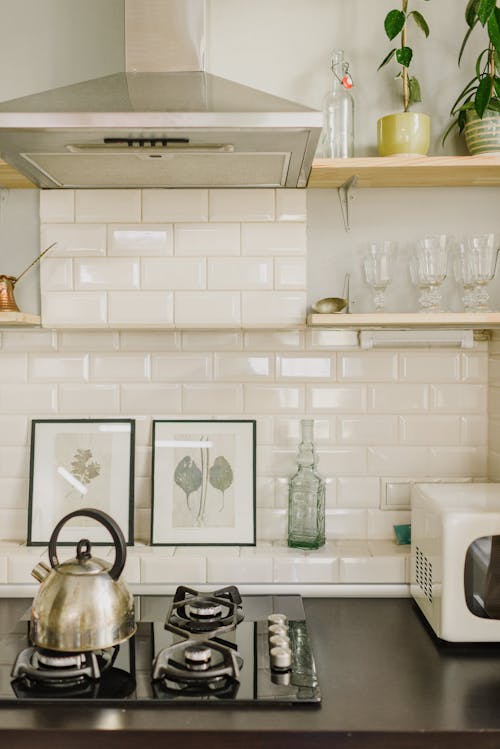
[130, 677]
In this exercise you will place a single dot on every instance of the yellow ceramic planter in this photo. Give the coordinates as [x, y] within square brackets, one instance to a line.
[404, 134]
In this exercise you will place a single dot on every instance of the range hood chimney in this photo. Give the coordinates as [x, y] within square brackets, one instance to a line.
[165, 122]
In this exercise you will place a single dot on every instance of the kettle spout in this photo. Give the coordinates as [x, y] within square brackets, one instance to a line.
[40, 572]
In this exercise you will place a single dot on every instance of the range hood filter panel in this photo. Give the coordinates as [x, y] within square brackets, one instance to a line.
[140, 170]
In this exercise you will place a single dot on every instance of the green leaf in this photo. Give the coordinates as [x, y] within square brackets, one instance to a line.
[483, 95]
[462, 119]
[494, 104]
[485, 9]
[221, 474]
[479, 61]
[394, 23]
[450, 127]
[466, 37]
[187, 476]
[497, 87]
[420, 21]
[471, 12]
[494, 29]
[387, 58]
[415, 92]
[404, 55]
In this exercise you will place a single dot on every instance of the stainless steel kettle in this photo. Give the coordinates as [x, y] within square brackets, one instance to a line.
[82, 604]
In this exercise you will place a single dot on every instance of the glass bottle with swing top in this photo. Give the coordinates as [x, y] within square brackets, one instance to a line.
[337, 139]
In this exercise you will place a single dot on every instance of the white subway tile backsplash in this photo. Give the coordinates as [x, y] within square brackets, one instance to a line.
[173, 273]
[207, 239]
[214, 340]
[111, 206]
[287, 430]
[421, 366]
[272, 340]
[381, 524]
[13, 368]
[302, 568]
[273, 309]
[290, 273]
[240, 273]
[398, 460]
[142, 308]
[343, 460]
[241, 205]
[57, 206]
[474, 368]
[241, 367]
[13, 429]
[175, 205]
[458, 398]
[429, 430]
[377, 366]
[181, 367]
[74, 240]
[207, 309]
[13, 461]
[13, 494]
[273, 238]
[271, 524]
[61, 367]
[243, 569]
[89, 399]
[28, 399]
[274, 398]
[27, 340]
[14, 527]
[337, 398]
[474, 430]
[146, 240]
[106, 273]
[398, 398]
[305, 367]
[73, 309]
[149, 340]
[154, 398]
[346, 523]
[56, 274]
[358, 492]
[120, 367]
[291, 205]
[318, 340]
[212, 399]
[458, 461]
[98, 340]
[368, 430]
[382, 570]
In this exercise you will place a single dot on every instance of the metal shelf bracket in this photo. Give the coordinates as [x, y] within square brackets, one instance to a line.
[345, 196]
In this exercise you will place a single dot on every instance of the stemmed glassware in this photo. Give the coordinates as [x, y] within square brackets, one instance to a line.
[428, 270]
[378, 263]
[475, 266]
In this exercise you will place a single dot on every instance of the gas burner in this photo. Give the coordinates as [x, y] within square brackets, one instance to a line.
[207, 614]
[198, 667]
[61, 670]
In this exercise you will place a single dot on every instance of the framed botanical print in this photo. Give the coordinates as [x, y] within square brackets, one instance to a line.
[203, 483]
[78, 463]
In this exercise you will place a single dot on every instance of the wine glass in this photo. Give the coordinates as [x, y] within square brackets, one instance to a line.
[475, 266]
[428, 270]
[378, 263]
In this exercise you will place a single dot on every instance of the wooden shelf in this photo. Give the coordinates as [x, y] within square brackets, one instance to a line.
[408, 320]
[18, 318]
[11, 178]
[399, 171]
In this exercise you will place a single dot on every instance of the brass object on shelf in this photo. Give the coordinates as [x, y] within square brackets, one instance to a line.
[7, 283]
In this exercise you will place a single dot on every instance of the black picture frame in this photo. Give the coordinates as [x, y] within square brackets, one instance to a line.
[203, 482]
[65, 475]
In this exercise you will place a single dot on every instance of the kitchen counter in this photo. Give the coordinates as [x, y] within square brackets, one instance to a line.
[385, 683]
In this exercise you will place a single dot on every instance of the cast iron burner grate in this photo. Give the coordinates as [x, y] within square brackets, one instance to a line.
[207, 614]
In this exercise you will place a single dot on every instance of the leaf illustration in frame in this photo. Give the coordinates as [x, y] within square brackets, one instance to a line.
[188, 477]
[221, 476]
[83, 467]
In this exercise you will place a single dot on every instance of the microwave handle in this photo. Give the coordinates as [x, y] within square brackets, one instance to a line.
[492, 585]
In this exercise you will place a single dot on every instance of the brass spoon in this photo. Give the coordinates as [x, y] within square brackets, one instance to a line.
[334, 304]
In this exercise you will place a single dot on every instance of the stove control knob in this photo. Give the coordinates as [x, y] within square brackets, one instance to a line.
[281, 659]
[278, 629]
[276, 619]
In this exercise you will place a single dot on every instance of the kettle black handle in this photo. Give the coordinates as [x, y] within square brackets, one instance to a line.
[108, 522]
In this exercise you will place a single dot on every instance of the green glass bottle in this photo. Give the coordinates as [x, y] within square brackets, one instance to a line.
[306, 496]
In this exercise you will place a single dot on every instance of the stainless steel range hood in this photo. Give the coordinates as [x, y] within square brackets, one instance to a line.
[163, 123]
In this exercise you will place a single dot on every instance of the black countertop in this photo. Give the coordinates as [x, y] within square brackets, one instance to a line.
[384, 679]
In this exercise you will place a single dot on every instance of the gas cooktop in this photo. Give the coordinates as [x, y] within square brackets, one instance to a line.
[195, 647]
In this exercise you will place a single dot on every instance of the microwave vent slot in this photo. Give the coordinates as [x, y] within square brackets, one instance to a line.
[423, 573]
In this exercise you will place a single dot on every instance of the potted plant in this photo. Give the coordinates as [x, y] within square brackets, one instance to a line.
[404, 132]
[477, 108]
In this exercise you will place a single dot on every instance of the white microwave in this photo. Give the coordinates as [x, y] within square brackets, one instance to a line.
[455, 559]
